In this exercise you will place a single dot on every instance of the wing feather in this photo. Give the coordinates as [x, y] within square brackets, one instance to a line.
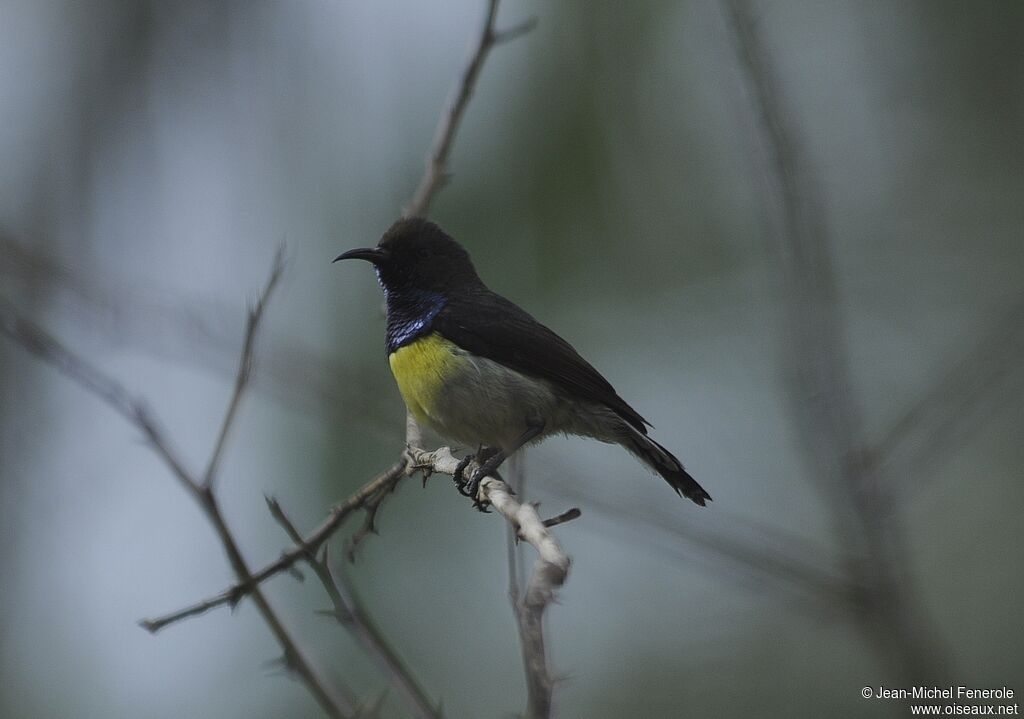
[488, 325]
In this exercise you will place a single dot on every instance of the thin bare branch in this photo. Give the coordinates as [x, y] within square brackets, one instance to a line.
[550, 569]
[245, 363]
[821, 396]
[514, 32]
[195, 332]
[312, 543]
[729, 546]
[48, 348]
[133, 410]
[991, 373]
[349, 612]
[294, 658]
[549, 573]
[436, 173]
[552, 565]
[370, 509]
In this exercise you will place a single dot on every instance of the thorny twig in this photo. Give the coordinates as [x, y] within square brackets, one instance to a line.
[134, 411]
[372, 496]
[549, 571]
[552, 564]
[312, 543]
[244, 373]
[374, 492]
[349, 612]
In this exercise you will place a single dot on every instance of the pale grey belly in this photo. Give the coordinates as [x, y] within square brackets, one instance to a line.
[493, 405]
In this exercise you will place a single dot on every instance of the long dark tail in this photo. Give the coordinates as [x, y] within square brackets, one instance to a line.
[665, 463]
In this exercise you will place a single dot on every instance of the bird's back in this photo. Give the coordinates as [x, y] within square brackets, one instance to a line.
[486, 324]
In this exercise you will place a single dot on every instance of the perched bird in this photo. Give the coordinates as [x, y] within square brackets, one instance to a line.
[479, 370]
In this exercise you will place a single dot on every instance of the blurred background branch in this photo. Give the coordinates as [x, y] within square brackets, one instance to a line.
[988, 375]
[552, 565]
[48, 349]
[192, 331]
[152, 156]
[436, 174]
[349, 612]
[383, 483]
[821, 391]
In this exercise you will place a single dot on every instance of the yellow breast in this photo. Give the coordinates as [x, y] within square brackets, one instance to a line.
[421, 369]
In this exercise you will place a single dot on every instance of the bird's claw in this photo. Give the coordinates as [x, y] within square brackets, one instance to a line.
[458, 475]
[470, 487]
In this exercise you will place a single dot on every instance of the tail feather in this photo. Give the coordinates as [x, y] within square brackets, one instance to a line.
[665, 463]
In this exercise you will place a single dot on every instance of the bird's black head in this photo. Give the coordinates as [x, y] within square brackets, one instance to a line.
[415, 254]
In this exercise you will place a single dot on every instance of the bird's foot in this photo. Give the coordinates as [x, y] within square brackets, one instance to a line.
[470, 487]
[458, 476]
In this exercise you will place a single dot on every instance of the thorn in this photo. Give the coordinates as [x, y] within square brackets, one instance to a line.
[331, 613]
[566, 516]
[284, 664]
[502, 36]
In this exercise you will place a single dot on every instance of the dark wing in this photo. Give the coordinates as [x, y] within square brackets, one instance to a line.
[490, 326]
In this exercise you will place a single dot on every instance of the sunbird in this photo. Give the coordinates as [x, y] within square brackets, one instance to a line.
[479, 370]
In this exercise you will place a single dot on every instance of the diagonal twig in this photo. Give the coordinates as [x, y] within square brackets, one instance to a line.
[760, 556]
[312, 543]
[349, 612]
[990, 373]
[245, 363]
[46, 347]
[193, 332]
[549, 574]
[373, 493]
[369, 498]
[435, 174]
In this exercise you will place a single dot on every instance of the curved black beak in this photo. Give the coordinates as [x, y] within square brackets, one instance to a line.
[376, 255]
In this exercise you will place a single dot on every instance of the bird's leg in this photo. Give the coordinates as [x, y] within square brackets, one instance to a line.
[490, 465]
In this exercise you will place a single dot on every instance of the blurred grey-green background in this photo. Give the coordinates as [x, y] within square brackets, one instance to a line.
[608, 177]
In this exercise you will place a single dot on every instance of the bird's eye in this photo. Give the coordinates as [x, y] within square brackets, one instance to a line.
[423, 253]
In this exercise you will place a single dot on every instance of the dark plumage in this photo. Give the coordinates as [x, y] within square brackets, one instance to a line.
[432, 287]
